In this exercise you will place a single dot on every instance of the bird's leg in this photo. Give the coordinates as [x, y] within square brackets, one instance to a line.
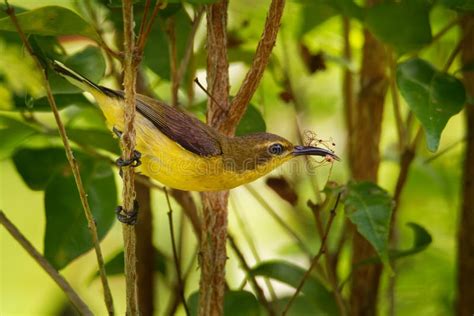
[127, 217]
[134, 161]
[124, 216]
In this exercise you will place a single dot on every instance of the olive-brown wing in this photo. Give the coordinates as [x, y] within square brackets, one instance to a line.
[186, 130]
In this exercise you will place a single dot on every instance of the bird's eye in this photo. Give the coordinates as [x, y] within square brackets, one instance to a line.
[276, 149]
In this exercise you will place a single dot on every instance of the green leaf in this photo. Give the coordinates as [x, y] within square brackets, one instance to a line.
[459, 5]
[251, 122]
[115, 265]
[156, 54]
[12, 133]
[50, 21]
[422, 239]
[369, 207]
[67, 235]
[88, 62]
[315, 13]
[321, 299]
[405, 24]
[301, 306]
[433, 96]
[236, 303]
[38, 166]
[193, 1]
[94, 139]
[42, 104]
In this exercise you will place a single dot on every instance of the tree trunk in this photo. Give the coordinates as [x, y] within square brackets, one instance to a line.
[145, 252]
[364, 162]
[213, 254]
[465, 301]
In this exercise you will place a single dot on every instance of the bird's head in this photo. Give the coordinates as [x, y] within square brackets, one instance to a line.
[265, 151]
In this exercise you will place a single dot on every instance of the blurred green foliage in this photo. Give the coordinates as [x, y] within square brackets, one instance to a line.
[302, 83]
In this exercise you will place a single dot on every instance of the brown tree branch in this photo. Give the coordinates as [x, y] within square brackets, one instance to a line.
[145, 251]
[364, 159]
[465, 262]
[72, 163]
[259, 63]
[128, 145]
[214, 222]
[81, 306]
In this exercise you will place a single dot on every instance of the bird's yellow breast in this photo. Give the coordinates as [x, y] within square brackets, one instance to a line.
[166, 161]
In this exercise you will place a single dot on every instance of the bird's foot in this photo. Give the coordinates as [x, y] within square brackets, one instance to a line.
[133, 162]
[117, 132]
[127, 217]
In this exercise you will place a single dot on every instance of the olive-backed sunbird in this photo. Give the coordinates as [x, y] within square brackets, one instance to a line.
[182, 152]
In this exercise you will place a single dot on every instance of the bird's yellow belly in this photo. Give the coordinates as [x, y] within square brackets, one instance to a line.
[172, 165]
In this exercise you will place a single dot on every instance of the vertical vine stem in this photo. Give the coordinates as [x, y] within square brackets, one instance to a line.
[128, 145]
[71, 160]
[53, 273]
[322, 250]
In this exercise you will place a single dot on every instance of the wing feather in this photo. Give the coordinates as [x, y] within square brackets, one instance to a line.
[188, 131]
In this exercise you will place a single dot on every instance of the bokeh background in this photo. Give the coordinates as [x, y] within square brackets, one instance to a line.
[426, 281]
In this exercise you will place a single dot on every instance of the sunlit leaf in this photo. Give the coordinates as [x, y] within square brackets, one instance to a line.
[433, 96]
[236, 303]
[50, 21]
[322, 300]
[12, 133]
[369, 208]
[405, 24]
[67, 235]
[251, 122]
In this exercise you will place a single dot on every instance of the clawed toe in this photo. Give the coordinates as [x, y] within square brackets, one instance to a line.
[127, 217]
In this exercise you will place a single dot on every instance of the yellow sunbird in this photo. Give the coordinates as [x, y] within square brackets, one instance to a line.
[184, 153]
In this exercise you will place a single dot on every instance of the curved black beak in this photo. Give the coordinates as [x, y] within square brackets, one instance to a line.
[314, 151]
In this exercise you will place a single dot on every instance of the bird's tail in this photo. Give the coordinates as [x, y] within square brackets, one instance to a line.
[73, 77]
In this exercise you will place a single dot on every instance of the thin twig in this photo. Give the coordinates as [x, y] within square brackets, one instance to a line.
[189, 46]
[196, 80]
[453, 55]
[53, 273]
[173, 52]
[72, 162]
[252, 246]
[348, 83]
[445, 29]
[321, 251]
[175, 253]
[278, 219]
[402, 135]
[253, 281]
[444, 151]
[259, 63]
[330, 269]
[128, 145]
[145, 32]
